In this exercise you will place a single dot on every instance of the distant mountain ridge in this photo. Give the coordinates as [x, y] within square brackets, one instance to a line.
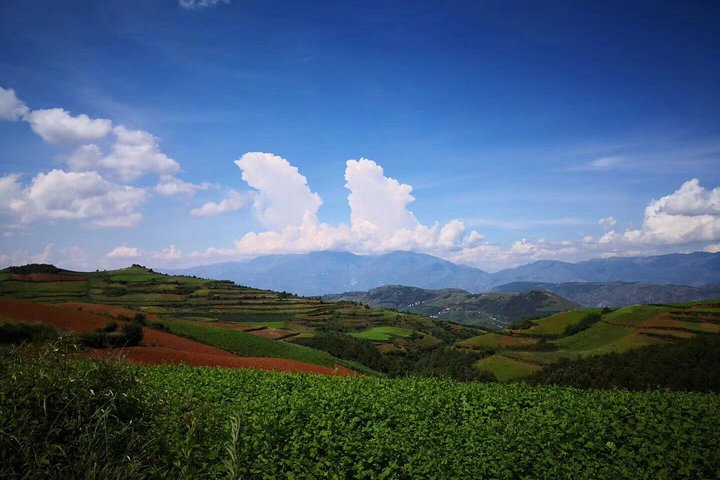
[489, 310]
[617, 294]
[321, 273]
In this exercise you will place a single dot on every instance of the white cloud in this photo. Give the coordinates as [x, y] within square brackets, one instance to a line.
[234, 201]
[605, 163]
[123, 251]
[71, 196]
[691, 214]
[11, 107]
[377, 202]
[380, 220]
[170, 253]
[607, 223]
[284, 197]
[170, 185]
[56, 125]
[134, 154]
[197, 4]
[713, 248]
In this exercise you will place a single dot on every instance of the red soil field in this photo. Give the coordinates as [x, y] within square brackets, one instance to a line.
[157, 347]
[100, 309]
[77, 321]
[47, 277]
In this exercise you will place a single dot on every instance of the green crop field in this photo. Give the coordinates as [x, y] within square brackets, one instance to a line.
[303, 426]
[505, 368]
[556, 324]
[596, 336]
[494, 340]
[634, 315]
[383, 334]
[248, 345]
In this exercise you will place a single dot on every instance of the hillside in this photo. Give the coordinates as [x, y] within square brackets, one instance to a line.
[489, 310]
[249, 322]
[324, 273]
[616, 294]
[576, 335]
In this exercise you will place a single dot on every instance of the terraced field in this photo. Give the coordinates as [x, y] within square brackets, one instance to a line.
[244, 321]
[591, 332]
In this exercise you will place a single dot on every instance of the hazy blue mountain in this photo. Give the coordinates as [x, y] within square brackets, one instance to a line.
[695, 269]
[616, 294]
[319, 273]
[490, 310]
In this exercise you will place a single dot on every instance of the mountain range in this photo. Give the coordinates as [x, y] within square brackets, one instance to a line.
[321, 273]
[616, 294]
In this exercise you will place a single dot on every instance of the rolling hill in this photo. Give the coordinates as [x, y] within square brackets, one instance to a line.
[489, 310]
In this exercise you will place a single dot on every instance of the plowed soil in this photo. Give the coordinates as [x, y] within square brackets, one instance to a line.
[156, 347]
[47, 277]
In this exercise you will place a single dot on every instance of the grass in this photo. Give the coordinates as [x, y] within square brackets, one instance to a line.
[494, 340]
[631, 316]
[505, 368]
[596, 336]
[383, 334]
[248, 345]
[556, 324]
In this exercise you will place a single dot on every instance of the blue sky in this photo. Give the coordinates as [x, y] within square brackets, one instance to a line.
[518, 125]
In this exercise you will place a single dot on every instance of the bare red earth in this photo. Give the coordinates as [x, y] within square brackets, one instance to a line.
[75, 320]
[157, 348]
[47, 277]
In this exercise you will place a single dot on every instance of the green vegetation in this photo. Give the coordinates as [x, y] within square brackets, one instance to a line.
[631, 316]
[248, 345]
[103, 419]
[504, 368]
[555, 325]
[383, 334]
[688, 365]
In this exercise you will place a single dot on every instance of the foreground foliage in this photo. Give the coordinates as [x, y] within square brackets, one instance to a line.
[302, 426]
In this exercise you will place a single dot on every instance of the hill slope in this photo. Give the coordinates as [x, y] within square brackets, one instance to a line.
[616, 294]
[489, 310]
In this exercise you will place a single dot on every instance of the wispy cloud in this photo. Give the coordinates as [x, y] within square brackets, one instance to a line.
[197, 4]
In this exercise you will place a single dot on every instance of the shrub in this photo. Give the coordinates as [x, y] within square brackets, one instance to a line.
[70, 419]
[14, 333]
[133, 333]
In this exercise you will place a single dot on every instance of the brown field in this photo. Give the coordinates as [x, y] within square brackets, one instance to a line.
[156, 347]
[668, 332]
[272, 333]
[100, 309]
[666, 320]
[74, 320]
[47, 277]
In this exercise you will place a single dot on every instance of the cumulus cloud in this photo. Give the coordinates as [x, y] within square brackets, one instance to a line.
[198, 4]
[11, 107]
[607, 223]
[380, 219]
[169, 186]
[71, 196]
[691, 214]
[233, 202]
[123, 251]
[377, 202]
[56, 125]
[170, 253]
[134, 154]
[283, 196]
